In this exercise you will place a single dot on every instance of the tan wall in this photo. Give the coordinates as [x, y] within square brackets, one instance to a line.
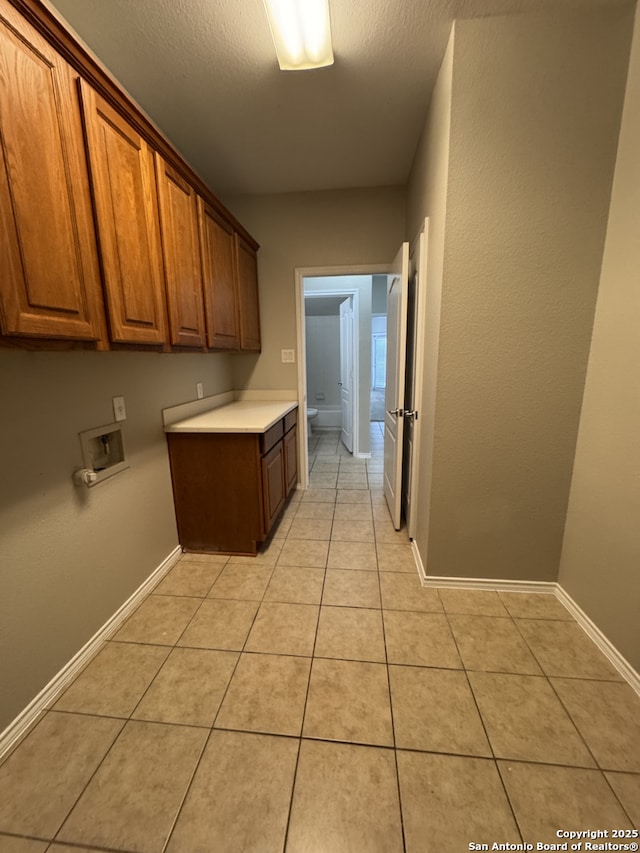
[427, 196]
[600, 566]
[309, 230]
[69, 556]
[535, 116]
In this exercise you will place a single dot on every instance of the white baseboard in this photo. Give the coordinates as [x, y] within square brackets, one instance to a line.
[422, 574]
[630, 675]
[497, 585]
[16, 729]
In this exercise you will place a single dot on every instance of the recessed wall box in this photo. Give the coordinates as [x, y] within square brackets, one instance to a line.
[103, 451]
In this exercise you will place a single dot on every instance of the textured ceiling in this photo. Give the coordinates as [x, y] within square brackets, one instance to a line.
[206, 73]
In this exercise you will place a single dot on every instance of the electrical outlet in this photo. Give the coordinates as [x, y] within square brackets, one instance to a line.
[119, 411]
[288, 356]
[199, 390]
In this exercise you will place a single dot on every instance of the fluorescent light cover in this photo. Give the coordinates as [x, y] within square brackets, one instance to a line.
[301, 32]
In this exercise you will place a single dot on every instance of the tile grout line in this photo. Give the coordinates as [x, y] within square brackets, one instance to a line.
[598, 766]
[617, 798]
[89, 780]
[482, 721]
[386, 655]
[306, 700]
[240, 653]
[212, 727]
[175, 645]
[559, 698]
[187, 791]
[82, 847]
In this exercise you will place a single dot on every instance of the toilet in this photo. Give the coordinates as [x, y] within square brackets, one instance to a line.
[311, 414]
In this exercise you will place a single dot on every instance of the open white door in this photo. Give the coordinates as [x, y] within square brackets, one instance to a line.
[394, 396]
[416, 324]
[346, 372]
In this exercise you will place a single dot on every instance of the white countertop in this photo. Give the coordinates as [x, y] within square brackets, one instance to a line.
[245, 416]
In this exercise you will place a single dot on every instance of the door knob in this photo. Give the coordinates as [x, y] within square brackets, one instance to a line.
[412, 415]
[395, 412]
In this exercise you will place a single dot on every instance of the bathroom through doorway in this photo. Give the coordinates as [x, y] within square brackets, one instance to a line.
[341, 333]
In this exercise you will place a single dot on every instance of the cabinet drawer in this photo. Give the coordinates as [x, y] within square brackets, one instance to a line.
[271, 437]
[290, 420]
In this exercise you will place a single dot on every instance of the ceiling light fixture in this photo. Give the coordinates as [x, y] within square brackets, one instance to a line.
[301, 32]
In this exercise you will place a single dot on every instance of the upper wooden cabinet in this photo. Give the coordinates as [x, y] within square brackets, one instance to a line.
[181, 252]
[124, 193]
[100, 218]
[219, 279]
[247, 273]
[49, 272]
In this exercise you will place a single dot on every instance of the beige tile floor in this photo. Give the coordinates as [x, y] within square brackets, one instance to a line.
[317, 698]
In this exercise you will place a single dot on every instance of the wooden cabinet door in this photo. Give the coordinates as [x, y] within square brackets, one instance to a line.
[290, 446]
[49, 273]
[126, 207]
[181, 253]
[273, 485]
[219, 280]
[247, 272]
[217, 489]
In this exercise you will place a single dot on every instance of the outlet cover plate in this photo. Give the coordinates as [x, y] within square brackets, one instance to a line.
[288, 356]
[119, 411]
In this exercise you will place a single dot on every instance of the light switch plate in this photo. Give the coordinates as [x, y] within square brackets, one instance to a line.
[119, 411]
[288, 356]
[199, 390]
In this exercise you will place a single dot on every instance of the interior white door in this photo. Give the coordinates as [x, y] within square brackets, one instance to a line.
[416, 325]
[409, 395]
[346, 372]
[394, 394]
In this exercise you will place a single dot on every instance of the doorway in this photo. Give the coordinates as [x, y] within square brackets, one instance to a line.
[407, 397]
[343, 285]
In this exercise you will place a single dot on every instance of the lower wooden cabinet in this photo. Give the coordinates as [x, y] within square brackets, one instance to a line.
[229, 488]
